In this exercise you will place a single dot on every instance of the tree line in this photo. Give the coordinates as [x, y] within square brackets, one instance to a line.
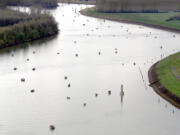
[10, 17]
[43, 3]
[17, 27]
[138, 5]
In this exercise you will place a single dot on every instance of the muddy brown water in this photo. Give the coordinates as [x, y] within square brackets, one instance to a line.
[126, 53]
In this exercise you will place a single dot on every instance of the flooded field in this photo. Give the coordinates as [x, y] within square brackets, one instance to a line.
[73, 81]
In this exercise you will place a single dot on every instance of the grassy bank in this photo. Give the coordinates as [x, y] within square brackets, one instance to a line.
[17, 27]
[157, 20]
[165, 73]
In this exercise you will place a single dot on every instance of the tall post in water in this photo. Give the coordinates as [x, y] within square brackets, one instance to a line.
[121, 87]
[122, 93]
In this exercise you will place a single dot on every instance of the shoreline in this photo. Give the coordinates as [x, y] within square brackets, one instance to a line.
[160, 89]
[31, 41]
[83, 12]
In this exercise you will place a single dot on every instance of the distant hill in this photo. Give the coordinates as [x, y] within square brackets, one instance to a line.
[138, 5]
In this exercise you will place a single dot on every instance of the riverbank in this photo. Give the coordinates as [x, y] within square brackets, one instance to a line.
[89, 2]
[25, 45]
[164, 81]
[154, 20]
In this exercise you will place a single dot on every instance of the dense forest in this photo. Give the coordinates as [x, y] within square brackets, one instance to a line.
[17, 27]
[138, 5]
[43, 3]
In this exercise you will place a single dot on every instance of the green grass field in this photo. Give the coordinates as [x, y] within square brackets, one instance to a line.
[166, 76]
[156, 19]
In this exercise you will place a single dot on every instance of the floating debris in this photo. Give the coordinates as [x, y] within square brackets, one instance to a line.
[99, 53]
[96, 95]
[34, 52]
[27, 59]
[109, 92]
[77, 55]
[69, 85]
[33, 69]
[85, 104]
[68, 98]
[32, 91]
[15, 68]
[52, 127]
[75, 42]
[134, 63]
[65, 77]
[12, 55]
[58, 53]
[22, 79]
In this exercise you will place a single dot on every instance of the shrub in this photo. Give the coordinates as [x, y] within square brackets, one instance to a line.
[29, 27]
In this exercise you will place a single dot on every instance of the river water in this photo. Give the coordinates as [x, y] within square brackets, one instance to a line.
[110, 54]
